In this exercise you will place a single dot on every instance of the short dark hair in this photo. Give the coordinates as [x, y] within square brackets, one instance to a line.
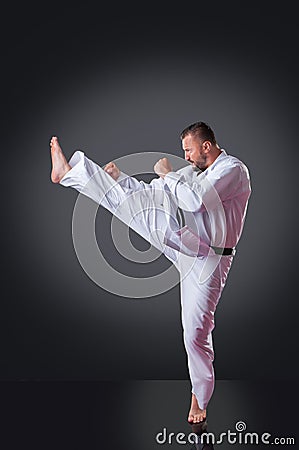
[200, 129]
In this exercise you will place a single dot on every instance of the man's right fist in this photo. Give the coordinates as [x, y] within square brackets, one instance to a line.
[113, 170]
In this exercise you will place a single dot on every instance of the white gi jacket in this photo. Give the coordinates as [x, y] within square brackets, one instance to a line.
[214, 203]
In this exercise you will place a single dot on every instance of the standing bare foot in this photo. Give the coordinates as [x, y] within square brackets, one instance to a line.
[196, 414]
[60, 165]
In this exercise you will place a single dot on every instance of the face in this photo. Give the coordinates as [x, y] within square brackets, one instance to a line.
[195, 152]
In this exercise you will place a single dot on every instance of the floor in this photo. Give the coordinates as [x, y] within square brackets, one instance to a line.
[143, 415]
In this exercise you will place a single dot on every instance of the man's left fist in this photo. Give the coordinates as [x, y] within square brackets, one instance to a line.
[162, 167]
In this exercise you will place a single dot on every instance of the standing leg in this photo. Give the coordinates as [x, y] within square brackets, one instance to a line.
[199, 301]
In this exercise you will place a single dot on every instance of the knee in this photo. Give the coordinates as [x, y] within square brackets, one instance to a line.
[197, 338]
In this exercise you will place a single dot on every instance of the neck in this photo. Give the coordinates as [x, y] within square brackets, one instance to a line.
[213, 155]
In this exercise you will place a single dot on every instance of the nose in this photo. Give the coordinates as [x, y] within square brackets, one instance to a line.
[187, 157]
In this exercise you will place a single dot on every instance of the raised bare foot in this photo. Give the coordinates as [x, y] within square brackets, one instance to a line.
[196, 414]
[60, 165]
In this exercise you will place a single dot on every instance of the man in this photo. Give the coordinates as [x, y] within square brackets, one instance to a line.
[212, 192]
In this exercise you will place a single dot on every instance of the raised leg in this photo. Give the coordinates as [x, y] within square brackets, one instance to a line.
[140, 210]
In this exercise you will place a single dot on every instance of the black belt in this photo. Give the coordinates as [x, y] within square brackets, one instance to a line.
[223, 251]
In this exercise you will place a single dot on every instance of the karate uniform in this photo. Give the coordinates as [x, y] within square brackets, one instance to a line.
[214, 204]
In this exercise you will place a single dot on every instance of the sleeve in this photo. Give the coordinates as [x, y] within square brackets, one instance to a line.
[207, 192]
[131, 184]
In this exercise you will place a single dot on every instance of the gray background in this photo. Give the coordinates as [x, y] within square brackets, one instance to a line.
[112, 84]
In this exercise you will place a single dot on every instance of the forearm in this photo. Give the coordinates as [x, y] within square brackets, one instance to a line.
[131, 184]
[187, 195]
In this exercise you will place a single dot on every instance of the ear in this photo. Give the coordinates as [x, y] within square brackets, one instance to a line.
[206, 146]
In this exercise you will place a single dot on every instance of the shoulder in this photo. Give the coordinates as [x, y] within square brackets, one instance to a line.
[228, 163]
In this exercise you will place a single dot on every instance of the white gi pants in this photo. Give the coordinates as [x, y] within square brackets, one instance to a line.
[199, 294]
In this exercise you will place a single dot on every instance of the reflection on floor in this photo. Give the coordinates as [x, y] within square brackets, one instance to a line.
[144, 415]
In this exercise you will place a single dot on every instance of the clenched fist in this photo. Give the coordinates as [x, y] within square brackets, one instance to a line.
[162, 167]
[113, 170]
